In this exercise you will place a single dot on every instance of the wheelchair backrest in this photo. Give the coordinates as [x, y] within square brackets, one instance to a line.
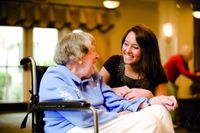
[39, 124]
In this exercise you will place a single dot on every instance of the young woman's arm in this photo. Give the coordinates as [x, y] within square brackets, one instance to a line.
[161, 89]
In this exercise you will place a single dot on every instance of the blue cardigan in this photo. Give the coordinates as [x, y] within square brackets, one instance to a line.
[60, 84]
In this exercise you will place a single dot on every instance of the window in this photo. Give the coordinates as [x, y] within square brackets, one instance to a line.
[44, 43]
[11, 49]
[10, 71]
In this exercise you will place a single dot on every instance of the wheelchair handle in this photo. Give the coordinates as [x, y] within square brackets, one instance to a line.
[26, 60]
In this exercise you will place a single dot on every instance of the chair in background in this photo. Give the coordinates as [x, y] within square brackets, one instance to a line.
[37, 108]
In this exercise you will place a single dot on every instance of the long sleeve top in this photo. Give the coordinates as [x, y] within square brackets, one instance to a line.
[60, 84]
[176, 66]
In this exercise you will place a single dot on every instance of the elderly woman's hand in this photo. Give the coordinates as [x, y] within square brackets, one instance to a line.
[169, 102]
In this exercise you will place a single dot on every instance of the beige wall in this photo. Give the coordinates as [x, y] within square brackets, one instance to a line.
[129, 14]
[153, 14]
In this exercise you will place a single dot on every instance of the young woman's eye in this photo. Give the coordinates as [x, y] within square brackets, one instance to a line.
[135, 47]
[125, 44]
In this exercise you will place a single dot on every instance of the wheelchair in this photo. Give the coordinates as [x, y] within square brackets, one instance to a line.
[37, 108]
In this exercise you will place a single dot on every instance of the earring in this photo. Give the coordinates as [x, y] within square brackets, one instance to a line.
[80, 62]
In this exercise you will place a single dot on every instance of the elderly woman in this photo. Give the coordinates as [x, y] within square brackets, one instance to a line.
[74, 78]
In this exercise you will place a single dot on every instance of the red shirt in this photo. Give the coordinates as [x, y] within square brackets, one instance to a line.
[176, 66]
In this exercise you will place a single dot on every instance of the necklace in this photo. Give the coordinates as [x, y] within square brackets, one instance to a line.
[132, 83]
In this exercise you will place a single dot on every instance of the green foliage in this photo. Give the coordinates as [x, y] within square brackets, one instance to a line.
[4, 79]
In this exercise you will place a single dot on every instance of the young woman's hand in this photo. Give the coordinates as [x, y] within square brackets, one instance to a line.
[134, 93]
[121, 91]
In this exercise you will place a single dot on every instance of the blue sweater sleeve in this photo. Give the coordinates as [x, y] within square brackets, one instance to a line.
[117, 104]
[55, 88]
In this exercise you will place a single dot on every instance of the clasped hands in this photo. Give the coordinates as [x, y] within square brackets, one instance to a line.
[124, 92]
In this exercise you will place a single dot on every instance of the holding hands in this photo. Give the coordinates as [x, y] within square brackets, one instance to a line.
[128, 94]
[168, 101]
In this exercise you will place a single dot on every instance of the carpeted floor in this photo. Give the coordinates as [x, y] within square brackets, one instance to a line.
[10, 123]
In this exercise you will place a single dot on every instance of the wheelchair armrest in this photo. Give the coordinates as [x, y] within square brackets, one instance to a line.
[70, 105]
[63, 105]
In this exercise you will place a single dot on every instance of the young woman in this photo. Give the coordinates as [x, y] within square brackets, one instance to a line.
[138, 70]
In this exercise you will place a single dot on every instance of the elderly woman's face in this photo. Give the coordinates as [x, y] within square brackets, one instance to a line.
[130, 49]
[88, 62]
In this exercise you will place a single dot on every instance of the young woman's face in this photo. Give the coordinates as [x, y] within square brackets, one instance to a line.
[88, 62]
[130, 49]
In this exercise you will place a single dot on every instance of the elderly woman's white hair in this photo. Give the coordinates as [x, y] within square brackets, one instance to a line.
[73, 46]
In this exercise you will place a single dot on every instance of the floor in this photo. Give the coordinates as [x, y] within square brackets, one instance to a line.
[10, 123]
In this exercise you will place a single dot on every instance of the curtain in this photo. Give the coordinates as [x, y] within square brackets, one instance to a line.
[29, 14]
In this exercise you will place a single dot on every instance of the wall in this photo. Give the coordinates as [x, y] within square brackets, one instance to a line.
[153, 13]
[129, 14]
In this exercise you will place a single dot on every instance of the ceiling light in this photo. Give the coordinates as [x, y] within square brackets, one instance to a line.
[196, 9]
[196, 14]
[111, 4]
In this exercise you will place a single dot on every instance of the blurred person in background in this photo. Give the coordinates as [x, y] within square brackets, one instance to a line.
[177, 65]
[174, 67]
